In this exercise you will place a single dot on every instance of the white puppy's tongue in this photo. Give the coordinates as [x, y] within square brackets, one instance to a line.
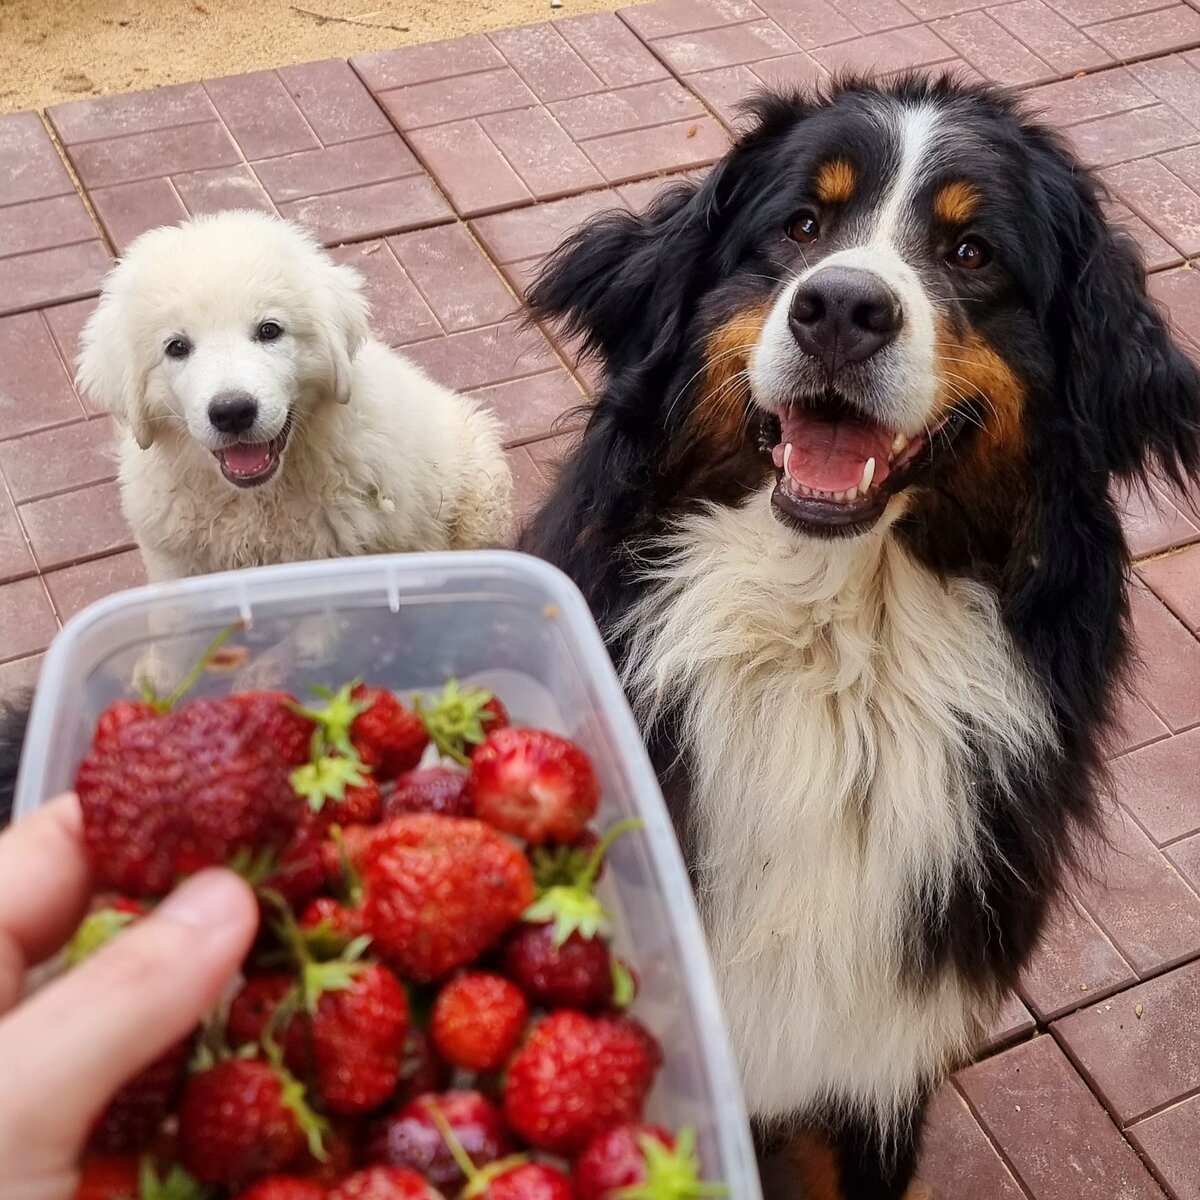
[247, 459]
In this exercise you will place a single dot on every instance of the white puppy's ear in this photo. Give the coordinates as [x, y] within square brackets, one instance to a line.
[345, 316]
[108, 371]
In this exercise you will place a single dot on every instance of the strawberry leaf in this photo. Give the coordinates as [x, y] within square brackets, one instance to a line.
[94, 931]
[570, 911]
[177, 1184]
[671, 1174]
[311, 1125]
[455, 720]
[335, 717]
[326, 778]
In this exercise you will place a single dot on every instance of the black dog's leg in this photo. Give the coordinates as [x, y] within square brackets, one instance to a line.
[14, 716]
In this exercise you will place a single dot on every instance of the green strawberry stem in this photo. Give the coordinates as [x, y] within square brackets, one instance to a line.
[326, 778]
[455, 719]
[333, 719]
[622, 984]
[177, 1184]
[477, 1179]
[602, 847]
[189, 680]
[671, 1174]
[94, 931]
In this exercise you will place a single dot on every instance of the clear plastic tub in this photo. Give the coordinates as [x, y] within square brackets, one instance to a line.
[411, 621]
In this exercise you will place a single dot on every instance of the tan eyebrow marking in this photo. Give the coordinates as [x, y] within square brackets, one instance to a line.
[956, 203]
[835, 181]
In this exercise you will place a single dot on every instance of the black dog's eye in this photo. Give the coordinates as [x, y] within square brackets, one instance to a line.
[179, 348]
[804, 227]
[268, 331]
[970, 254]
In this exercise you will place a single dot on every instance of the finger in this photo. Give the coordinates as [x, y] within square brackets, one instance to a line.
[44, 884]
[69, 1049]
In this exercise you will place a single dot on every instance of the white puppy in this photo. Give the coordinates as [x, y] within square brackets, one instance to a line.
[262, 423]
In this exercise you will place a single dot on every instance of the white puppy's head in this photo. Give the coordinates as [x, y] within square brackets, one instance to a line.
[227, 329]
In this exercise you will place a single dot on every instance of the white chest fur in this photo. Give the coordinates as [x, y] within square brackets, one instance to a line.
[825, 690]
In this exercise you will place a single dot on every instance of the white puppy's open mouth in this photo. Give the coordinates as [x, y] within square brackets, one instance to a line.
[248, 464]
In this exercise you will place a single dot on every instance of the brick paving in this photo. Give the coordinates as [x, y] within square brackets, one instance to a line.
[443, 173]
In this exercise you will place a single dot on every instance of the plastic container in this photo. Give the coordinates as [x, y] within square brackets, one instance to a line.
[410, 622]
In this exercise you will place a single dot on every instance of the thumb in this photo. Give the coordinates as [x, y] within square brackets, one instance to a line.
[69, 1049]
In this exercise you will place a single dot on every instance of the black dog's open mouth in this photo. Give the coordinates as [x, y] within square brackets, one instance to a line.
[836, 468]
[248, 464]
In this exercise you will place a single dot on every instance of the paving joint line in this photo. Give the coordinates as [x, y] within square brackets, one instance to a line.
[80, 190]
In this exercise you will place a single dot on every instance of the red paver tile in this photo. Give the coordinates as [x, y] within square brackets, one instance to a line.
[1157, 253]
[956, 1157]
[370, 211]
[1138, 1063]
[1054, 40]
[453, 99]
[547, 62]
[992, 50]
[684, 144]
[264, 120]
[1013, 1023]
[74, 588]
[334, 169]
[601, 114]
[896, 50]
[129, 209]
[336, 105]
[1168, 672]
[35, 391]
[399, 314]
[470, 168]
[1129, 135]
[1100, 95]
[927, 10]
[1055, 1136]
[1074, 964]
[1175, 580]
[19, 676]
[812, 23]
[44, 224]
[1088, 12]
[872, 16]
[1141, 902]
[68, 528]
[478, 358]
[30, 168]
[16, 560]
[59, 459]
[1151, 521]
[217, 188]
[457, 281]
[1136, 724]
[1161, 198]
[1169, 1141]
[727, 46]
[611, 50]
[1185, 856]
[1158, 32]
[1160, 785]
[51, 276]
[1174, 80]
[387, 69]
[529, 484]
[157, 153]
[671, 17]
[136, 112]
[66, 322]
[531, 408]
[539, 150]
[27, 621]
[1179, 293]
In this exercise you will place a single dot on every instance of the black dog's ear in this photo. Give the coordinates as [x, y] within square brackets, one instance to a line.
[1128, 384]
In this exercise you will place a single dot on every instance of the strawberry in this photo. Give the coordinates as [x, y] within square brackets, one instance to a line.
[299, 872]
[108, 1177]
[533, 784]
[577, 1076]
[243, 1118]
[422, 1070]
[554, 864]
[339, 791]
[359, 1021]
[266, 1008]
[330, 926]
[280, 723]
[459, 720]
[559, 958]
[166, 797]
[477, 1021]
[437, 790]
[642, 1162]
[384, 1183]
[414, 1136]
[440, 891]
[119, 714]
[283, 1187]
[389, 738]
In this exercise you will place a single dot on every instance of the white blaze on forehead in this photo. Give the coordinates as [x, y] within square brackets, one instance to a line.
[913, 134]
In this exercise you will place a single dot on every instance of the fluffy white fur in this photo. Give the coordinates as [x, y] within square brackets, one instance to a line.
[379, 458]
[817, 680]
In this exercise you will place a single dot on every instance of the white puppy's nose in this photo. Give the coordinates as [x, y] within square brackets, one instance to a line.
[232, 412]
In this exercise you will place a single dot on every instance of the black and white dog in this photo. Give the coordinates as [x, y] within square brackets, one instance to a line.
[843, 511]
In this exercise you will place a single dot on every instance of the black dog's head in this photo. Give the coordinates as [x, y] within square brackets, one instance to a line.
[895, 301]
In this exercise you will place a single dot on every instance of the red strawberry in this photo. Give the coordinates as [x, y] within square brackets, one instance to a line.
[411, 1137]
[422, 1070]
[243, 1118]
[339, 1145]
[269, 1005]
[134, 1116]
[339, 791]
[534, 784]
[642, 1160]
[300, 870]
[384, 1183]
[522, 1181]
[576, 974]
[330, 926]
[119, 714]
[359, 1021]
[284, 1187]
[459, 719]
[279, 723]
[439, 891]
[477, 1021]
[389, 738]
[167, 797]
[437, 790]
[108, 1177]
[576, 1077]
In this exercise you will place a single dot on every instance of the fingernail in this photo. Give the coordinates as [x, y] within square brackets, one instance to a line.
[211, 898]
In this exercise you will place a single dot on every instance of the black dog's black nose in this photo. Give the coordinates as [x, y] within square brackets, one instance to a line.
[232, 412]
[844, 315]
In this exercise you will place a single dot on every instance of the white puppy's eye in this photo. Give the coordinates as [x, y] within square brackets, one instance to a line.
[269, 331]
[179, 348]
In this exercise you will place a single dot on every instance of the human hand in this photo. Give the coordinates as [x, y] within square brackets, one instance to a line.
[66, 1051]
